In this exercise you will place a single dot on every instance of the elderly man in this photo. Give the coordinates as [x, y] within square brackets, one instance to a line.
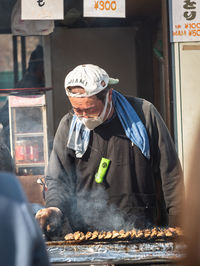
[113, 163]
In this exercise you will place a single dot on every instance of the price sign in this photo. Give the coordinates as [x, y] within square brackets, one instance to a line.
[184, 20]
[104, 8]
[42, 9]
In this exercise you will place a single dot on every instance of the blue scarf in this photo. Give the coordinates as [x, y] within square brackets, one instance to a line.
[79, 134]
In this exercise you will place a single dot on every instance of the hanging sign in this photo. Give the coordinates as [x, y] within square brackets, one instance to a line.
[30, 100]
[42, 9]
[104, 8]
[184, 20]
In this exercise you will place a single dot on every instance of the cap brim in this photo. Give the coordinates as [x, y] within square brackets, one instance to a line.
[113, 81]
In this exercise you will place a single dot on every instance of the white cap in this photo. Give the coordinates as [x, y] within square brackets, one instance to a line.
[91, 78]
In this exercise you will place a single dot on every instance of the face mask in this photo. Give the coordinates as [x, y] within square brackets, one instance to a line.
[91, 123]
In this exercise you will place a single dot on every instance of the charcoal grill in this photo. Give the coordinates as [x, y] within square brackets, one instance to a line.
[117, 253]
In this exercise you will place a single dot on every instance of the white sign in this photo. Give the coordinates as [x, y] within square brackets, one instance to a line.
[42, 9]
[184, 20]
[104, 8]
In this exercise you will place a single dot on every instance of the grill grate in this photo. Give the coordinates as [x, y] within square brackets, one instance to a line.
[154, 245]
[116, 253]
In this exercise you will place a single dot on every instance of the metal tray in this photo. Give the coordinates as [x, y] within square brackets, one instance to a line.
[119, 252]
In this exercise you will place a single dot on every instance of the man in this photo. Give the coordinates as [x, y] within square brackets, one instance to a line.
[113, 163]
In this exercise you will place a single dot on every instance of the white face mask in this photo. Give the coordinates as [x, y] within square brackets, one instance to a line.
[91, 123]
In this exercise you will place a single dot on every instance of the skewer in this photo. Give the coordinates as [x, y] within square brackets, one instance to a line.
[122, 234]
[108, 235]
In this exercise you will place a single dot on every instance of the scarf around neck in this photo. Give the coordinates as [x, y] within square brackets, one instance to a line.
[79, 134]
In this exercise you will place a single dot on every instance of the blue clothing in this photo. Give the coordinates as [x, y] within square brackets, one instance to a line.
[79, 134]
[131, 123]
[21, 241]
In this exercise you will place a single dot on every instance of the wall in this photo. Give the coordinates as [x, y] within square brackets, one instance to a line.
[111, 48]
[187, 80]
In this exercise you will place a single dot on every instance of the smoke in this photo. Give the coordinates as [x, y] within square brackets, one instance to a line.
[90, 210]
[98, 214]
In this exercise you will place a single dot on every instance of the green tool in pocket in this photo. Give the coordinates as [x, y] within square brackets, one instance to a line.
[103, 167]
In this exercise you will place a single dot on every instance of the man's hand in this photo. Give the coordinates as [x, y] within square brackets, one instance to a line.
[50, 219]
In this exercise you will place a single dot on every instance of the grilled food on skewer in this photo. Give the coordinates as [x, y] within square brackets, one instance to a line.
[139, 234]
[88, 235]
[133, 233]
[168, 233]
[108, 235]
[82, 237]
[160, 233]
[147, 233]
[101, 235]
[79, 235]
[177, 231]
[115, 234]
[127, 235]
[69, 236]
[122, 234]
[94, 235]
[154, 232]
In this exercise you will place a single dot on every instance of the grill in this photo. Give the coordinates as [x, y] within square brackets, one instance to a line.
[157, 251]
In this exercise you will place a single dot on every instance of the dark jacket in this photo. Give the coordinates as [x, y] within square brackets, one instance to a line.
[136, 191]
[21, 242]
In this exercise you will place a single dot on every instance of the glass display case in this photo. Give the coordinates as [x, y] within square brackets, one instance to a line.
[28, 138]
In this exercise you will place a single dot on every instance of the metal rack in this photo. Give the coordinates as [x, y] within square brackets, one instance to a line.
[141, 253]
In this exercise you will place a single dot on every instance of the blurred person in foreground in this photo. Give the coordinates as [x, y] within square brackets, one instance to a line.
[113, 163]
[191, 208]
[21, 242]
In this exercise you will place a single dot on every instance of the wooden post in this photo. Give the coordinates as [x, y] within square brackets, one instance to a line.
[167, 68]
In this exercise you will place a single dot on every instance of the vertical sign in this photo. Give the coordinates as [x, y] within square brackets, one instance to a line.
[184, 20]
[42, 9]
[104, 8]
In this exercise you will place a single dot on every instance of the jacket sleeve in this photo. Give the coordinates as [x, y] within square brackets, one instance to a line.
[166, 166]
[60, 176]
